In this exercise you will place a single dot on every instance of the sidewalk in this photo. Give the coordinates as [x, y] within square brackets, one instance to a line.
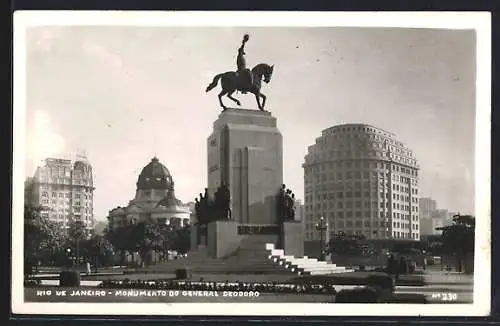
[56, 275]
[443, 277]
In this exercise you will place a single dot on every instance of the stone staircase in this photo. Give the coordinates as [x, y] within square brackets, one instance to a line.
[304, 265]
[256, 254]
[251, 257]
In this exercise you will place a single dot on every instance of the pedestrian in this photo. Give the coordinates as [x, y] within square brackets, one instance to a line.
[391, 265]
[403, 266]
[89, 271]
[425, 263]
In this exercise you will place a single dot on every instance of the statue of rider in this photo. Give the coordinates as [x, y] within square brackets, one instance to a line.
[244, 73]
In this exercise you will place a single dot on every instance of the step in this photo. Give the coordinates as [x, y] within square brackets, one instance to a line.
[326, 273]
[318, 268]
[302, 265]
[307, 262]
[322, 269]
[306, 265]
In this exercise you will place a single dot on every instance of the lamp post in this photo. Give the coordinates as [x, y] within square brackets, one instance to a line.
[321, 226]
[68, 250]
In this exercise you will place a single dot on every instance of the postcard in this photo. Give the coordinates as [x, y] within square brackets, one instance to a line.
[251, 163]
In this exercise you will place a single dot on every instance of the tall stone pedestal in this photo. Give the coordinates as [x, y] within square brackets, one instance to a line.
[245, 151]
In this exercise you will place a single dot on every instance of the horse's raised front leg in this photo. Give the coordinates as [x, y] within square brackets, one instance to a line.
[221, 94]
[230, 95]
[263, 100]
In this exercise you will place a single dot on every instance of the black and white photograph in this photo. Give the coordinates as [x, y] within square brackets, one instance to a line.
[251, 163]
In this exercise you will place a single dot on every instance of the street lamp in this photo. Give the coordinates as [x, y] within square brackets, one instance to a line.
[68, 251]
[321, 226]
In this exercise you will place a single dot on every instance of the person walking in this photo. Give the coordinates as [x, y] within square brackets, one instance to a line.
[89, 271]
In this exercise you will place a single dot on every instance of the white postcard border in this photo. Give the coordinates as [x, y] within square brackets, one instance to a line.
[480, 21]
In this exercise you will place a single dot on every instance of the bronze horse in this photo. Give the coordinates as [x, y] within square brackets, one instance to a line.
[231, 81]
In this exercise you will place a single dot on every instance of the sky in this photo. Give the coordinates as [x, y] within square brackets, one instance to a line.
[126, 94]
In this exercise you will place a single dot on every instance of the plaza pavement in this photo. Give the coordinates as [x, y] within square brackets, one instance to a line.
[438, 285]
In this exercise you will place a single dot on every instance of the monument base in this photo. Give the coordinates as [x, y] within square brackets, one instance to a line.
[228, 238]
[193, 236]
[222, 238]
[235, 248]
[293, 238]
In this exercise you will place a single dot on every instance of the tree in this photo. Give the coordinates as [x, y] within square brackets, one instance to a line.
[149, 236]
[34, 235]
[348, 245]
[432, 245]
[77, 232]
[182, 240]
[144, 237]
[458, 240]
[44, 240]
[96, 249]
[121, 240]
[40, 236]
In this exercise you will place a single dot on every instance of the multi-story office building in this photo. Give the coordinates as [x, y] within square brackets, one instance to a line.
[299, 210]
[431, 217]
[64, 190]
[427, 206]
[362, 180]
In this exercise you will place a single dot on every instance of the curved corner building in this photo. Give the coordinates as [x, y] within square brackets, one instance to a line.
[363, 181]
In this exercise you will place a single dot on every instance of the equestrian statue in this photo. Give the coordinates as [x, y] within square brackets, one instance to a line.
[244, 79]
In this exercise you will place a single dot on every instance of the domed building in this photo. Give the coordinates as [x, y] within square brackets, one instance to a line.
[154, 199]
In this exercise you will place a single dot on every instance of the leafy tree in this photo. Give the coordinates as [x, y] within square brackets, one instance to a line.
[182, 240]
[77, 233]
[44, 240]
[146, 237]
[432, 245]
[34, 234]
[96, 249]
[348, 245]
[458, 240]
[121, 240]
[149, 236]
[42, 237]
